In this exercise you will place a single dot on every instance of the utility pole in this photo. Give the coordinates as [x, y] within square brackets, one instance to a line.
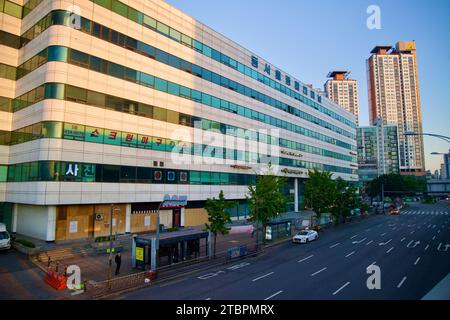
[111, 243]
[382, 195]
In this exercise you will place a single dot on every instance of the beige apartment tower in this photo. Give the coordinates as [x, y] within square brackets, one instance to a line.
[393, 90]
[343, 90]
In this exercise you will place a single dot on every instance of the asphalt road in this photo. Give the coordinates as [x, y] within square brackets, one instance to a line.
[20, 279]
[411, 249]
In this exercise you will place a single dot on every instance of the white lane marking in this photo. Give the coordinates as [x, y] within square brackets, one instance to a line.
[403, 239]
[275, 294]
[384, 243]
[367, 230]
[401, 282]
[411, 232]
[354, 236]
[410, 243]
[369, 242]
[334, 245]
[261, 277]
[434, 237]
[337, 291]
[304, 259]
[208, 299]
[383, 234]
[371, 264]
[390, 250]
[417, 261]
[426, 248]
[358, 242]
[317, 272]
[350, 254]
[439, 231]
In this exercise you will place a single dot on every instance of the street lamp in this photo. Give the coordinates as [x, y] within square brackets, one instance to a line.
[438, 153]
[113, 209]
[412, 133]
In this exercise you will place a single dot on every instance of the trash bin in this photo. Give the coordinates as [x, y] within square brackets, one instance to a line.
[161, 227]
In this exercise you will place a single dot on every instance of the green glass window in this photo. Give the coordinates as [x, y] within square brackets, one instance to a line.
[13, 9]
[174, 88]
[159, 114]
[104, 3]
[135, 15]
[56, 53]
[174, 34]
[147, 80]
[54, 91]
[119, 8]
[161, 84]
[162, 28]
[3, 173]
[194, 177]
[52, 129]
[150, 22]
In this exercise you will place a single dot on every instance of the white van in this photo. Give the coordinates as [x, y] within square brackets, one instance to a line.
[5, 240]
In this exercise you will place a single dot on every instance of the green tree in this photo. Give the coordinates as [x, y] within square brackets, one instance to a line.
[266, 199]
[218, 217]
[345, 200]
[320, 192]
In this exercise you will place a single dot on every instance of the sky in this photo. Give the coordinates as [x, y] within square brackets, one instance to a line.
[307, 39]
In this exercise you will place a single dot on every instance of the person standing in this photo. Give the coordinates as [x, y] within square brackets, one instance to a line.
[118, 260]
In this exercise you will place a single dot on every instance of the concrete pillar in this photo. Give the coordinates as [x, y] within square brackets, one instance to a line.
[182, 213]
[128, 218]
[296, 194]
[51, 223]
[133, 252]
[208, 245]
[184, 250]
[153, 255]
[14, 218]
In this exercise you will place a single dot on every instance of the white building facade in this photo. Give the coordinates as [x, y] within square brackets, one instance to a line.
[106, 106]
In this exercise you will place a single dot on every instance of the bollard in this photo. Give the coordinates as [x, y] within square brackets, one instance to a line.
[48, 262]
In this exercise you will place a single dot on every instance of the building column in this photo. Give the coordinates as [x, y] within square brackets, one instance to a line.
[14, 218]
[51, 223]
[128, 218]
[182, 213]
[296, 194]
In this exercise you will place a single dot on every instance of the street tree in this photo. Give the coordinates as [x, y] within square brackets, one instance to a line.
[320, 192]
[266, 199]
[218, 217]
[395, 185]
[346, 199]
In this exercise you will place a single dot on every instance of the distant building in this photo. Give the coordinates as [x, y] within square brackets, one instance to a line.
[393, 90]
[377, 151]
[343, 90]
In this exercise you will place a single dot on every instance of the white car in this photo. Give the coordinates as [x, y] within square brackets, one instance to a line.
[5, 240]
[305, 236]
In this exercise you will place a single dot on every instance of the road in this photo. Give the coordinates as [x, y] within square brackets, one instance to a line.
[20, 279]
[411, 249]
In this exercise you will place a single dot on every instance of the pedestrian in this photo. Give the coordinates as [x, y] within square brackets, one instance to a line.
[118, 261]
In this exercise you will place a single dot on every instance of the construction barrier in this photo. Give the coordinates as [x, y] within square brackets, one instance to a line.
[55, 280]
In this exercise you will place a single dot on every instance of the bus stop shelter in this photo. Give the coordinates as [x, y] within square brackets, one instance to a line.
[173, 247]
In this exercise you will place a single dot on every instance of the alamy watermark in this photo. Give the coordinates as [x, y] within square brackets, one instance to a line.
[373, 22]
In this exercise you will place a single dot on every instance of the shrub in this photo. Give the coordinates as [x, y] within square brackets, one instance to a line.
[26, 243]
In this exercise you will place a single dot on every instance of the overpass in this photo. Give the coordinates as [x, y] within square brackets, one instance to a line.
[439, 187]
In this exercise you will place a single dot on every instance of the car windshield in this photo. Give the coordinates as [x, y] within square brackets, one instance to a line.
[303, 233]
[4, 235]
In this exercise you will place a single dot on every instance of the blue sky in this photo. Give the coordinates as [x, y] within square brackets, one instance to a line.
[310, 38]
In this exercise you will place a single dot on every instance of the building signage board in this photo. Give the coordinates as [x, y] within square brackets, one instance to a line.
[139, 254]
[174, 201]
[94, 134]
[73, 131]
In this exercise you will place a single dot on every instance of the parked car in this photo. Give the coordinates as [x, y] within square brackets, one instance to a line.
[305, 236]
[5, 240]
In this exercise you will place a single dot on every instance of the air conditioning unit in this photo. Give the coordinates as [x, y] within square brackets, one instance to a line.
[98, 216]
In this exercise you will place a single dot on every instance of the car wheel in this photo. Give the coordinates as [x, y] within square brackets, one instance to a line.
[316, 237]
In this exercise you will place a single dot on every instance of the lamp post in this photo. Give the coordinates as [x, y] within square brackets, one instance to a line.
[412, 133]
[110, 242]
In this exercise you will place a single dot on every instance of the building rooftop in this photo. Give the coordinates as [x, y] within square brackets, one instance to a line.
[333, 74]
[377, 49]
